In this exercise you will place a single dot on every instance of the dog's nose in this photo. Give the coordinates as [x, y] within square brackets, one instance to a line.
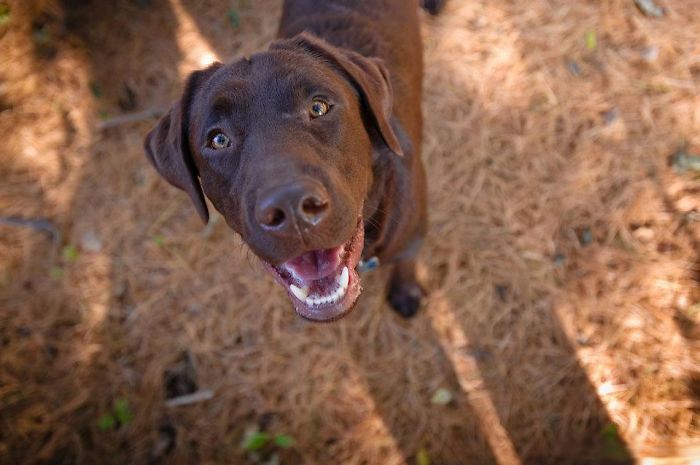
[304, 202]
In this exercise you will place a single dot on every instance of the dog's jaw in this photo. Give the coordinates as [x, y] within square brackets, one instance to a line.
[323, 285]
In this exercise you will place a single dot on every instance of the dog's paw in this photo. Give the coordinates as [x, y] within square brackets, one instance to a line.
[406, 298]
[433, 6]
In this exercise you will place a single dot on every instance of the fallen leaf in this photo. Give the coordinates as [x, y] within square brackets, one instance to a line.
[586, 237]
[591, 40]
[650, 8]
[4, 13]
[683, 161]
[284, 441]
[442, 397]
[574, 68]
[159, 240]
[254, 440]
[91, 242]
[233, 18]
[422, 457]
[70, 253]
[559, 259]
[56, 272]
[106, 422]
[614, 447]
[123, 412]
[95, 89]
[611, 115]
[650, 53]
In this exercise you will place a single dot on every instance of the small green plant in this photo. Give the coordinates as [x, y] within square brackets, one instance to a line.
[95, 89]
[591, 40]
[56, 272]
[42, 35]
[614, 447]
[284, 441]
[123, 412]
[159, 240]
[106, 422]
[254, 440]
[70, 253]
[233, 18]
[4, 13]
[121, 415]
[422, 457]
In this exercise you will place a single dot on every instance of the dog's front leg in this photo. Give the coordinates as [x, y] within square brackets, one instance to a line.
[405, 293]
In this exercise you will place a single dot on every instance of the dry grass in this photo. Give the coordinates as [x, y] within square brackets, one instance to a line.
[562, 257]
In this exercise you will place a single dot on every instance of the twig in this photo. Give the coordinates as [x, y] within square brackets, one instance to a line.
[130, 118]
[37, 224]
[199, 396]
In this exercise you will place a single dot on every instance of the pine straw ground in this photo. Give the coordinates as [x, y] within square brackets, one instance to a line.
[562, 258]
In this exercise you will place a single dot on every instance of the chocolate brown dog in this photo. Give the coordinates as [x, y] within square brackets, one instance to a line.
[311, 149]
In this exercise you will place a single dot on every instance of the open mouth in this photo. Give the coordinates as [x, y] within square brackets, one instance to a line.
[323, 284]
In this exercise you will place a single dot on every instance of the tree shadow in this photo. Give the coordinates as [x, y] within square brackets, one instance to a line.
[407, 372]
[68, 358]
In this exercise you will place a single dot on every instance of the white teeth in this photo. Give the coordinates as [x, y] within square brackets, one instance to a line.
[335, 296]
[313, 301]
[344, 278]
[298, 292]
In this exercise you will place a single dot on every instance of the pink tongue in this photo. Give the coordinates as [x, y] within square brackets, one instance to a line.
[316, 264]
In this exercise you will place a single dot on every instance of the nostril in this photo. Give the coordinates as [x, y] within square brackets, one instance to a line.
[313, 206]
[274, 217]
[283, 210]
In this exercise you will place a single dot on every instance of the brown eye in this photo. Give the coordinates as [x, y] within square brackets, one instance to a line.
[318, 108]
[219, 141]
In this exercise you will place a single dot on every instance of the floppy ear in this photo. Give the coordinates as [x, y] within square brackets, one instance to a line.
[167, 145]
[369, 75]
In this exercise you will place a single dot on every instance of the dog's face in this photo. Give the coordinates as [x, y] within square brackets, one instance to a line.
[283, 144]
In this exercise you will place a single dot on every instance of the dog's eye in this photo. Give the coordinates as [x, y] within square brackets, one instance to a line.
[219, 141]
[318, 108]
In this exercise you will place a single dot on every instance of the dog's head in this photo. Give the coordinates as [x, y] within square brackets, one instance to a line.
[282, 144]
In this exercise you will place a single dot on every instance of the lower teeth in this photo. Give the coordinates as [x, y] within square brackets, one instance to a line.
[333, 297]
[342, 281]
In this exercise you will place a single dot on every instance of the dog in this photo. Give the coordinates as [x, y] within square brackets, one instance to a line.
[310, 150]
